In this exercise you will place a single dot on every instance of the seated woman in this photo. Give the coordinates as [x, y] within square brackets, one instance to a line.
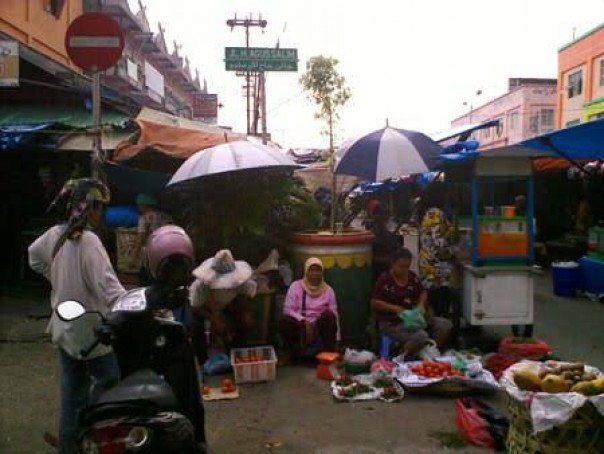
[310, 314]
[397, 291]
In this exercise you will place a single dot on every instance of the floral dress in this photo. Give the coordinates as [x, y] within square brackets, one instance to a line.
[436, 249]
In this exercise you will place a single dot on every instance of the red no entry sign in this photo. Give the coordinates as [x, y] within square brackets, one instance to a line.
[94, 41]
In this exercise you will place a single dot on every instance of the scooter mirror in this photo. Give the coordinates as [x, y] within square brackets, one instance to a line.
[70, 310]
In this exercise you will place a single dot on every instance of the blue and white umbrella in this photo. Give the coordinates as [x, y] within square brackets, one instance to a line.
[387, 153]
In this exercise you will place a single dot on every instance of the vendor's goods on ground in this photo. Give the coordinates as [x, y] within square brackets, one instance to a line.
[254, 364]
[451, 375]
[378, 385]
[560, 378]
[554, 407]
[497, 363]
[524, 348]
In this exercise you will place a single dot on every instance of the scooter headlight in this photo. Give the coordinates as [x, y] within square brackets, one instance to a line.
[137, 437]
[89, 446]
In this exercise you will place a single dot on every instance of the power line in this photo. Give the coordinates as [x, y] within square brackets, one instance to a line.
[285, 101]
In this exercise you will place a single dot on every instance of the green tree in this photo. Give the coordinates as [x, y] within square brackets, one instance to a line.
[327, 89]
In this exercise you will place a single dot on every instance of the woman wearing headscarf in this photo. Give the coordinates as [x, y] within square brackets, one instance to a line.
[436, 251]
[76, 263]
[310, 312]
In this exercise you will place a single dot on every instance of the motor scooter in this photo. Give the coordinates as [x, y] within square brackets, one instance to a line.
[156, 407]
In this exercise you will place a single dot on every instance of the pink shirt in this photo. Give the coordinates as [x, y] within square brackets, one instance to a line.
[315, 306]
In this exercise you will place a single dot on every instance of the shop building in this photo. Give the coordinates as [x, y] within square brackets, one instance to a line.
[581, 79]
[525, 111]
[45, 99]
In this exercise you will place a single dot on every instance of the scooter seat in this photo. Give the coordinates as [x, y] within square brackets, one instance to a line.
[142, 392]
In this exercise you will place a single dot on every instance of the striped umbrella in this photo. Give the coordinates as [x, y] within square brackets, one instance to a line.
[227, 160]
[387, 153]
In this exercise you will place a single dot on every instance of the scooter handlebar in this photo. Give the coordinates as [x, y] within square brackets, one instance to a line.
[86, 351]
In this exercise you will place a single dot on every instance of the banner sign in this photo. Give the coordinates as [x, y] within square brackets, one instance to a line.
[205, 105]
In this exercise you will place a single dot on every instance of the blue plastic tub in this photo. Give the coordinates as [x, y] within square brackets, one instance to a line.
[566, 277]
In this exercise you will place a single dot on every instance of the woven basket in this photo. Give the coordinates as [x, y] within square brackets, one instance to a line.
[581, 434]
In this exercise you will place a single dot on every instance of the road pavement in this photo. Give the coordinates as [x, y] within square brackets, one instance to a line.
[293, 415]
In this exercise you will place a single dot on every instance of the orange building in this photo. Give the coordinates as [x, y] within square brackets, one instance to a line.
[40, 25]
[40, 73]
[581, 79]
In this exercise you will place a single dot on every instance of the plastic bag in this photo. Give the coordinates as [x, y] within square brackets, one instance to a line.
[480, 424]
[413, 319]
[217, 363]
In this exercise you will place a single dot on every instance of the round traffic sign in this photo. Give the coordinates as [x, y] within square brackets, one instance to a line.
[94, 41]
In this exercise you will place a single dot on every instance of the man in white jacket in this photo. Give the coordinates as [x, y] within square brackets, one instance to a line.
[76, 263]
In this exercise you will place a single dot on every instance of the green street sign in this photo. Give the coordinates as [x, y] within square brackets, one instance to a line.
[260, 59]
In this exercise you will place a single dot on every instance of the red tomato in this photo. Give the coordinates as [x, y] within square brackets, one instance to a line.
[206, 390]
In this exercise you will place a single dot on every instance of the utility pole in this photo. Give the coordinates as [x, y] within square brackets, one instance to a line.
[247, 23]
[263, 94]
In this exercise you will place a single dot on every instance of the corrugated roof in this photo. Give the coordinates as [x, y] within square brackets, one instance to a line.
[69, 116]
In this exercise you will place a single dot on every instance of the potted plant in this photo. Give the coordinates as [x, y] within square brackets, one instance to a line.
[346, 254]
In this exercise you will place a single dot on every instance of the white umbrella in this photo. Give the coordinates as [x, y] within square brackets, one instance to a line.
[228, 158]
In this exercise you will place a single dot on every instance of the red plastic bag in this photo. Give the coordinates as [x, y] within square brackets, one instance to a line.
[471, 426]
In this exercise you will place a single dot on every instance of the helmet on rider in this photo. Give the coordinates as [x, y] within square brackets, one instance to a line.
[170, 255]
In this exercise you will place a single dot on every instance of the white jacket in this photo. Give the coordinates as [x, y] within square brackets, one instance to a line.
[80, 271]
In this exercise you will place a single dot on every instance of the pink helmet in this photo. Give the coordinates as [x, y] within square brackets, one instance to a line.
[167, 241]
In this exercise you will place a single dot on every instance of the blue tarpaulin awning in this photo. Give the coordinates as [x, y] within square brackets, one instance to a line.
[582, 142]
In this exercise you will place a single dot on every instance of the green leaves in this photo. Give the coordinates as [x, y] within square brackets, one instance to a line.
[325, 86]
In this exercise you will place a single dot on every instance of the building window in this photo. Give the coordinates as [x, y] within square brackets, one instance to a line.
[513, 121]
[572, 123]
[547, 120]
[534, 123]
[602, 72]
[575, 84]
[55, 7]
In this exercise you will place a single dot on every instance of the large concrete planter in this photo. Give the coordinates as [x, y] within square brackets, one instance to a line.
[347, 259]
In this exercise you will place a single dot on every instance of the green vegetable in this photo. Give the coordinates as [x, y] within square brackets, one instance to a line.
[450, 440]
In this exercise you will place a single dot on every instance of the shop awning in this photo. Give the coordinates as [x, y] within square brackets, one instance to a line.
[74, 117]
[582, 142]
[575, 146]
[164, 141]
[462, 132]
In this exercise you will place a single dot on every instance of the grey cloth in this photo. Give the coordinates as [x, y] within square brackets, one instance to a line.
[80, 271]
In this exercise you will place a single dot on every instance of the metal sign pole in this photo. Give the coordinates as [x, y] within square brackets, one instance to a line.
[263, 85]
[97, 148]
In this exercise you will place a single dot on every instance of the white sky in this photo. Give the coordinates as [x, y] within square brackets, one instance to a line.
[413, 62]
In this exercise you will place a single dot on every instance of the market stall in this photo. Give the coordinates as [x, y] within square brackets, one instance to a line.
[497, 282]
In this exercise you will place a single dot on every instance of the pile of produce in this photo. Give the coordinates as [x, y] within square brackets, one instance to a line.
[560, 378]
[433, 369]
[366, 387]
[497, 363]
